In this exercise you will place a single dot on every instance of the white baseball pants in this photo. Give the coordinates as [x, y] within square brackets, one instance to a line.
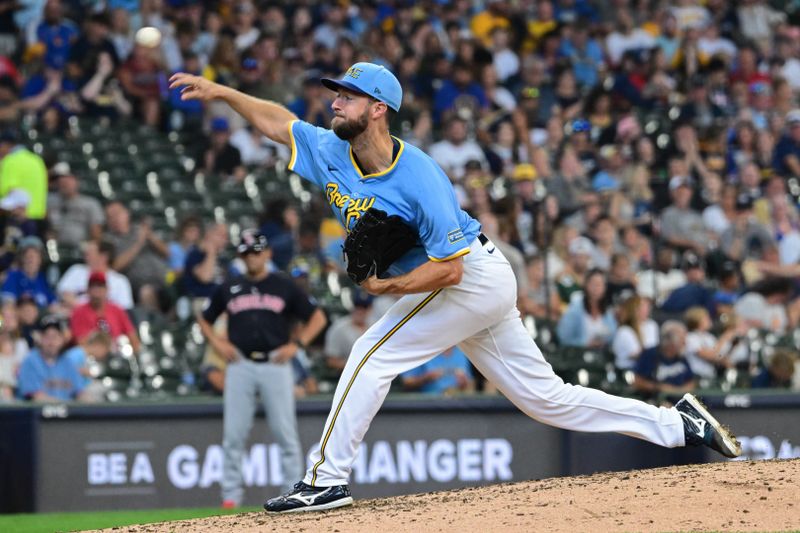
[480, 316]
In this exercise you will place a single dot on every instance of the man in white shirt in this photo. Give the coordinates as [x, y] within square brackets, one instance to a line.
[455, 150]
[97, 255]
[626, 37]
[505, 60]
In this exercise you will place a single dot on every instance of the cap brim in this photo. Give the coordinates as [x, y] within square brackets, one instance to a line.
[336, 85]
[245, 249]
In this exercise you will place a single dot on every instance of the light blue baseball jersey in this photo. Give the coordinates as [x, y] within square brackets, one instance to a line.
[413, 187]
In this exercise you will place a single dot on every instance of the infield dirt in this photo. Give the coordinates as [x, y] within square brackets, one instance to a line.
[731, 496]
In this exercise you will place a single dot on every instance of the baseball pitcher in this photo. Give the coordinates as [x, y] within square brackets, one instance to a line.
[457, 287]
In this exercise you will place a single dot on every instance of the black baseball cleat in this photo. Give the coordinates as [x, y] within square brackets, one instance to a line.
[702, 429]
[307, 498]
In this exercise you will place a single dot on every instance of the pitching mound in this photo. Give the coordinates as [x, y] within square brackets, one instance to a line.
[735, 496]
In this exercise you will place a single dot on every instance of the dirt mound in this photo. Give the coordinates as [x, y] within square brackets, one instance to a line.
[733, 496]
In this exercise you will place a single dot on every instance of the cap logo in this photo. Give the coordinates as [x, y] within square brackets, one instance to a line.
[354, 72]
[376, 91]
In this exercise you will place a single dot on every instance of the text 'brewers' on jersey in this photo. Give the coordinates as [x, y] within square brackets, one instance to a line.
[413, 187]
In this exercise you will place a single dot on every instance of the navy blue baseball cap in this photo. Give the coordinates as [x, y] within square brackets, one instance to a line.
[371, 80]
[252, 241]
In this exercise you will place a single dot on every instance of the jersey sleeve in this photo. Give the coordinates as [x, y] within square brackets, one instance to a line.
[440, 230]
[305, 143]
[215, 305]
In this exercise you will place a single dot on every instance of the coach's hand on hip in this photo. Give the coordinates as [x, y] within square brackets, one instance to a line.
[284, 353]
[227, 350]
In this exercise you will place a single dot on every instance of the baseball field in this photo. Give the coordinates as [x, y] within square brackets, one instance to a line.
[731, 496]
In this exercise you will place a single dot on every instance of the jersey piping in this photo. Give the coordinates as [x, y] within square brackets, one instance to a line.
[364, 360]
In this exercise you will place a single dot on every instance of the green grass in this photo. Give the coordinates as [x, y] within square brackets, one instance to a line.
[51, 522]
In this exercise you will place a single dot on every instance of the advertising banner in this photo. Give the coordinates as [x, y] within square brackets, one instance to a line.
[130, 457]
[129, 464]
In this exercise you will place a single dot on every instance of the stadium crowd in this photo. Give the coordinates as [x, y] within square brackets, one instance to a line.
[637, 161]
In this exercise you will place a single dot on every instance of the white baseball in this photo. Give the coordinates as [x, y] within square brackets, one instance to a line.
[148, 37]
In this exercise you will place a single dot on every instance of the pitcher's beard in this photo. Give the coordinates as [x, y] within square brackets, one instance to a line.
[349, 129]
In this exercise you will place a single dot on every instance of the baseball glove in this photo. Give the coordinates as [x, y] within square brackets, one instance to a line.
[375, 242]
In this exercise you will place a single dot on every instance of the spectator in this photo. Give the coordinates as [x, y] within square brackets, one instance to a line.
[485, 24]
[102, 94]
[456, 149]
[659, 282]
[459, 89]
[746, 238]
[8, 369]
[309, 255]
[590, 211]
[682, 226]
[719, 216]
[764, 305]
[13, 351]
[57, 34]
[694, 292]
[707, 354]
[188, 235]
[74, 217]
[637, 332]
[46, 375]
[757, 22]
[140, 254]
[98, 256]
[588, 321]
[729, 288]
[585, 55]
[605, 242]
[22, 169]
[10, 105]
[85, 54]
[313, 105]
[205, 268]
[278, 224]
[344, 332]
[539, 301]
[29, 277]
[186, 114]
[448, 373]
[222, 158]
[256, 149]
[786, 158]
[121, 34]
[14, 224]
[663, 369]
[94, 349]
[498, 228]
[626, 38]
[333, 28]
[99, 314]
[779, 372]
[142, 79]
[620, 278]
[570, 279]
[28, 315]
[504, 59]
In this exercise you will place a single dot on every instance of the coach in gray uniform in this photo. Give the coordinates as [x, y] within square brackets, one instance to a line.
[262, 308]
